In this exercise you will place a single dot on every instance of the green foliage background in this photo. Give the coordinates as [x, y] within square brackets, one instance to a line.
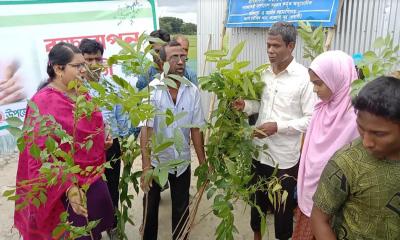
[175, 25]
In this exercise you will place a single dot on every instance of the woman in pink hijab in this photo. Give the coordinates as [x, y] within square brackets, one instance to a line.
[332, 126]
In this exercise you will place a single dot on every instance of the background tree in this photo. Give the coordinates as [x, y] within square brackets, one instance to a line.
[165, 25]
[175, 25]
[189, 29]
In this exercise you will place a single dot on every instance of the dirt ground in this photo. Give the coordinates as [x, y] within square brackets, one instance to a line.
[204, 229]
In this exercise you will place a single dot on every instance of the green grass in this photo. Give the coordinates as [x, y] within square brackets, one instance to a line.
[192, 46]
[192, 52]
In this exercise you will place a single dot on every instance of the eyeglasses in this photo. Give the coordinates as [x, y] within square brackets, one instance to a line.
[78, 66]
[176, 58]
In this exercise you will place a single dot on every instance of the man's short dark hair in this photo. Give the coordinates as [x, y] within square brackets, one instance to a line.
[380, 97]
[161, 34]
[90, 46]
[286, 30]
[163, 53]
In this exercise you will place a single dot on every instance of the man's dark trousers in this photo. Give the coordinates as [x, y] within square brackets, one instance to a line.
[113, 154]
[179, 187]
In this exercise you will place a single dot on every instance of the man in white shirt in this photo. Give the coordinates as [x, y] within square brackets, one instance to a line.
[284, 111]
[184, 98]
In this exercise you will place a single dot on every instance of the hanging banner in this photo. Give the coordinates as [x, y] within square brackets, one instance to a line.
[264, 13]
[29, 29]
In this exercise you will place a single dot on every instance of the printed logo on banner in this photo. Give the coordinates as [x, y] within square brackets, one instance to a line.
[17, 109]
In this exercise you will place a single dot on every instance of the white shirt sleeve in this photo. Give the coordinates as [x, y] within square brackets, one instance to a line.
[153, 101]
[307, 101]
[251, 107]
[198, 116]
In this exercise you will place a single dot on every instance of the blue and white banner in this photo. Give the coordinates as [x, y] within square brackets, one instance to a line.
[264, 13]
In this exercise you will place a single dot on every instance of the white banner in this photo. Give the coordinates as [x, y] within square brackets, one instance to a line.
[28, 32]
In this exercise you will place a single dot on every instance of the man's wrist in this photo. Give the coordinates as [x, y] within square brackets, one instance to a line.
[146, 167]
[276, 127]
[281, 126]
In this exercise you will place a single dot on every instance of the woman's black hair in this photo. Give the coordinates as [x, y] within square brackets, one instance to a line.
[161, 34]
[380, 97]
[61, 54]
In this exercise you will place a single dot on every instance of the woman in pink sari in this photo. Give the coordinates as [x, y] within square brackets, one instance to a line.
[332, 126]
[66, 63]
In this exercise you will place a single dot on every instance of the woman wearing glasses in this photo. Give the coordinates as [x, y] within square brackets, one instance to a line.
[66, 64]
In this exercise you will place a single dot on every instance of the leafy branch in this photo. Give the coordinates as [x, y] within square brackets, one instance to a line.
[384, 60]
[314, 39]
[56, 158]
[230, 149]
[134, 58]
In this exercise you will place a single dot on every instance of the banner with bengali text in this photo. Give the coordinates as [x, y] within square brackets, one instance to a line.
[264, 13]
[29, 30]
